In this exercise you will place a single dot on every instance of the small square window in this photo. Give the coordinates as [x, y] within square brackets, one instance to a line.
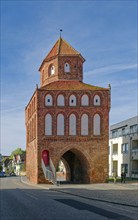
[48, 100]
[96, 100]
[72, 101]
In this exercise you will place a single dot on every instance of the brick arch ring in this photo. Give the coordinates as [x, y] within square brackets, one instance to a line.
[77, 151]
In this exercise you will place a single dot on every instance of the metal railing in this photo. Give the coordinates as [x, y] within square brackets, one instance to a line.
[52, 168]
[49, 175]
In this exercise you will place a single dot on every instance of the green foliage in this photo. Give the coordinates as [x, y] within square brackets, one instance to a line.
[23, 168]
[16, 152]
[1, 168]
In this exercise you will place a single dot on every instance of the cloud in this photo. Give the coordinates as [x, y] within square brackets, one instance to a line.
[106, 70]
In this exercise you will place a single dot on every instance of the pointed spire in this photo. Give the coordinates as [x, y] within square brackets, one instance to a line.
[60, 32]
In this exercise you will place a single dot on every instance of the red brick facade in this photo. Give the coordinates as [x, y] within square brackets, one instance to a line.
[85, 156]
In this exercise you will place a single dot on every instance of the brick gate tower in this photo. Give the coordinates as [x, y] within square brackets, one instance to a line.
[67, 120]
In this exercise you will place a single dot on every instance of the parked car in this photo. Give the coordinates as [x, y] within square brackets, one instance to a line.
[2, 174]
[12, 174]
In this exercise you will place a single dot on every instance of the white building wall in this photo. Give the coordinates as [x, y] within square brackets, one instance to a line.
[125, 135]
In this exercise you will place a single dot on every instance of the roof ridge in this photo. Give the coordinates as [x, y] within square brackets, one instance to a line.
[59, 44]
[52, 48]
[70, 45]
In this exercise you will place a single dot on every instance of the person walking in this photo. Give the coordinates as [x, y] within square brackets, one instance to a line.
[122, 177]
[115, 176]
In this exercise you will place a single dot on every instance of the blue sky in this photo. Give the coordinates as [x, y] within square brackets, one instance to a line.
[104, 32]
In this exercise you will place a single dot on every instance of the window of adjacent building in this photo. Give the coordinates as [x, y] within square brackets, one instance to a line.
[133, 128]
[48, 100]
[72, 124]
[72, 100]
[60, 100]
[48, 124]
[85, 100]
[66, 68]
[114, 134]
[60, 124]
[124, 168]
[123, 131]
[97, 100]
[125, 148]
[97, 124]
[84, 124]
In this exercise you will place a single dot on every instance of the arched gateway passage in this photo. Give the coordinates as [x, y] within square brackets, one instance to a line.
[76, 166]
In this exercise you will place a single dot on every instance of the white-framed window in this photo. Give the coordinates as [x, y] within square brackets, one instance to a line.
[97, 124]
[85, 100]
[48, 124]
[97, 100]
[60, 100]
[48, 100]
[72, 124]
[84, 124]
[66, 68]
[72, 100]
[60, 124]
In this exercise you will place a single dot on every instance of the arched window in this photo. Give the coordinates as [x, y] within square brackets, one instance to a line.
[97, 100]
[97, 124]
[72, 100]
[85, 100]
[84, 124]
[52, 70]
[60, 100]
[72, 124]
[60, 124]
[66, 68]
[48, 100]
[48, 124]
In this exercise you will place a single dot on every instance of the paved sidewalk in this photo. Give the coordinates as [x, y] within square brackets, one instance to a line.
[123, 194]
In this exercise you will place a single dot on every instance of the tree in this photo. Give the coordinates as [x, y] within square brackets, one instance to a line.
[16, 152]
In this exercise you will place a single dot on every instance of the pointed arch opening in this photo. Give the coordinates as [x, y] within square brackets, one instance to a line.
[85, 100]
[84, 125]
[97, 124]
[48, 124]
[76, 167]
[60, 100]
[72, 124]
[60, 124]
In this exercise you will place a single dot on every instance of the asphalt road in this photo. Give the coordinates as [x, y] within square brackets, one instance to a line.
[19, 201]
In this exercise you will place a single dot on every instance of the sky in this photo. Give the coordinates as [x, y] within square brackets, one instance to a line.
[104, 32]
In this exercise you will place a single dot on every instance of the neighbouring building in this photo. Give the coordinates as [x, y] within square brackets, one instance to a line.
[123, 148]
[67, 120]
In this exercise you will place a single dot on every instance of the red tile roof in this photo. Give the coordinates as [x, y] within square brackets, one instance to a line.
[61, 47]
[70, 85]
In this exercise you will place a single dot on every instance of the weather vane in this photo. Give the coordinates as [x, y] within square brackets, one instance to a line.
[60, 32]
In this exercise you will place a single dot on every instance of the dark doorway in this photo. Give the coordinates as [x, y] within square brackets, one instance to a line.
[76, 167]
